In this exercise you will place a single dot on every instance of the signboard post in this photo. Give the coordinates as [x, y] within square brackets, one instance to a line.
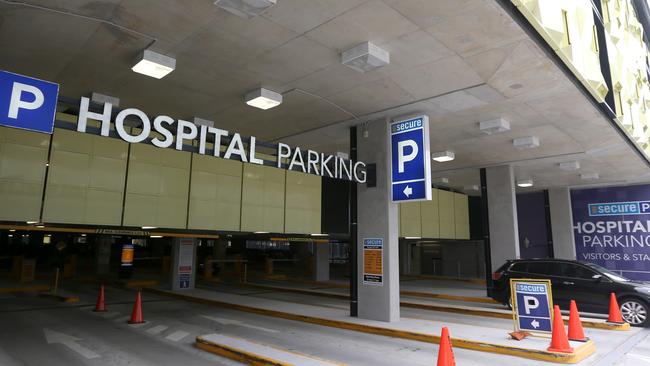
[532, 304]
[373, 264]
[410, 159]
[27, 103]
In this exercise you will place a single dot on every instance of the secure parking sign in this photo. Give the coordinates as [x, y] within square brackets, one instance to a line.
[532, 302]
[27, 103]
[409, 157]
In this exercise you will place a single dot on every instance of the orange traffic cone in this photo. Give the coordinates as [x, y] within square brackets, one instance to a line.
[101, 305]
[614, 310]
[445, 352]
[136, 315]
[576, 333]
[559, 340]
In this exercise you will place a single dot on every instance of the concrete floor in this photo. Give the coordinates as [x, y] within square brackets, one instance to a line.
[167, 338]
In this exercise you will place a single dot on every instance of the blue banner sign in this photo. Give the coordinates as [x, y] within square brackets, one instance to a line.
[27, 103]
[410, 160]
[612, 229]
[532, 304]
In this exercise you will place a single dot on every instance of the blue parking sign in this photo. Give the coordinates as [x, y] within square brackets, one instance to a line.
[27, 103]
[532, 305]
[409, 159]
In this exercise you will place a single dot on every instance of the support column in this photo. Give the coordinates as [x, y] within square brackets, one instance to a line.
[321, 261]
[502, 211]
[377, 219]
[562, 223]
[103, 255]
[183, 264]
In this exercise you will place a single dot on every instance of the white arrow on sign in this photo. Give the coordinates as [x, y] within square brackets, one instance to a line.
[535, 323]
[408, 191]
[68, 341]
[239, 323]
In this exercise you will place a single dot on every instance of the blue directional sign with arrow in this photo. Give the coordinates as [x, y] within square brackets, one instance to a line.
[532, 304]
[410, 159]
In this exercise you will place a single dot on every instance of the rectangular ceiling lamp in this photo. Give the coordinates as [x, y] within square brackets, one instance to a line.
[570, 165]
[529, 142]
[246, 9]
[365, 57]
[443, 156]
[154, 64]
[494, 126]
[525, 183]
[590, 176]
[263, 98]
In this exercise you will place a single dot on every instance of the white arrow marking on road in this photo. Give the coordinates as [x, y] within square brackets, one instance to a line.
[68, 341]
[408, 191]
[237, 322]
[535, 323]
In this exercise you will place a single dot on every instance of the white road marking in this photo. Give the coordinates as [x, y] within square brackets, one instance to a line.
[239, 323]
[639, 357]
[157, 329]
[70, 342]
[177, 335]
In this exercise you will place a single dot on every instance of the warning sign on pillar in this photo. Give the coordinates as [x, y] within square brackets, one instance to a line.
[185, 262]
[373, 264]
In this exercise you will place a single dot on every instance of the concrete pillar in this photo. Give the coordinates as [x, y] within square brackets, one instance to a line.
[321, 262]
[559, 200]
[103, 254]
[416, 261]
[183, 263]
[502, 211]
[377, 218]
[404, 257]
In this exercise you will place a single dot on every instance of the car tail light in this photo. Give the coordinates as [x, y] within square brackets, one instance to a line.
[496, 276]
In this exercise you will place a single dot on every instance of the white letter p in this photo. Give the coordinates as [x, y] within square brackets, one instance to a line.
[17, 103]
[401, 158]
[530, 303]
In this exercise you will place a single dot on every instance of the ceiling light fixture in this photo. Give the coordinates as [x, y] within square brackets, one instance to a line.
[31, 222]
[149, 227]
[365, 57]
[494, 126]
[473, 187]
[443, 156]
[442, 180]
[528, 142]
[525, 183]
[156, 236]
[263, 98]
[260, 232]
[154, 64]
[246, 9]
[570, 165]
[317, 234]
[589, 176]
[412, 237]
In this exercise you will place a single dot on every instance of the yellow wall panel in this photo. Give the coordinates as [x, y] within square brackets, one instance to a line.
[86, 179]
[23, 155]
[157, 187]
[263, 199]
[303, 203]
[410, 219]
[215, 195]
[461, 216]
[447, 215]
[430, 216]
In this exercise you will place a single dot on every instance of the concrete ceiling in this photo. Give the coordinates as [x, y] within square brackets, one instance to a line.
[459, 61]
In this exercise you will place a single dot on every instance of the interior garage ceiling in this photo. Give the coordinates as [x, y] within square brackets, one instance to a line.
[459, 61]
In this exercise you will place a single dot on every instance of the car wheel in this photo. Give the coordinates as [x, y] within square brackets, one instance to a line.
[634, 311]
[509, 302]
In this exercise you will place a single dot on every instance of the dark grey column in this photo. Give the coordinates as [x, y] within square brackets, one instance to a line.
[562, 223]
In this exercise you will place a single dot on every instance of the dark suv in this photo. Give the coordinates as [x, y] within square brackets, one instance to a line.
[586, 283]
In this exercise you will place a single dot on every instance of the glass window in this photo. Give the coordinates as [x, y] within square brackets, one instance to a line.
[540, 268]
[519, 267]
[582, 272]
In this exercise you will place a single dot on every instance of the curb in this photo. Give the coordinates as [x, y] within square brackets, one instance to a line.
[34, 288]
[581, 352]
[237, 354]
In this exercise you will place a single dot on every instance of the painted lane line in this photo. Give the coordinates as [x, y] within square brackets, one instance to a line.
[646, 359]
[239, 323]
[157, 329]
[177, 335]
[69, 341]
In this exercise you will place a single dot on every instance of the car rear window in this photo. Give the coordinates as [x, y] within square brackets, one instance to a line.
[519, 267]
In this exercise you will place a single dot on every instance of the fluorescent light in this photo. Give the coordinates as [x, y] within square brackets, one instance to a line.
[154, 64]
[570, 165]
[263, 98]
[40, 226]
[246, 9]
[156, 236]
[525, 183]
[10, 235]
[589, 176]
[529, 142]
[12, 230]
[260, 232]
[316, 234]
[31, 222]
[365, 57]
[494, 126]
[83, 234]
[443, 156]
[149, 227]
[443, 180]
[412, 237]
